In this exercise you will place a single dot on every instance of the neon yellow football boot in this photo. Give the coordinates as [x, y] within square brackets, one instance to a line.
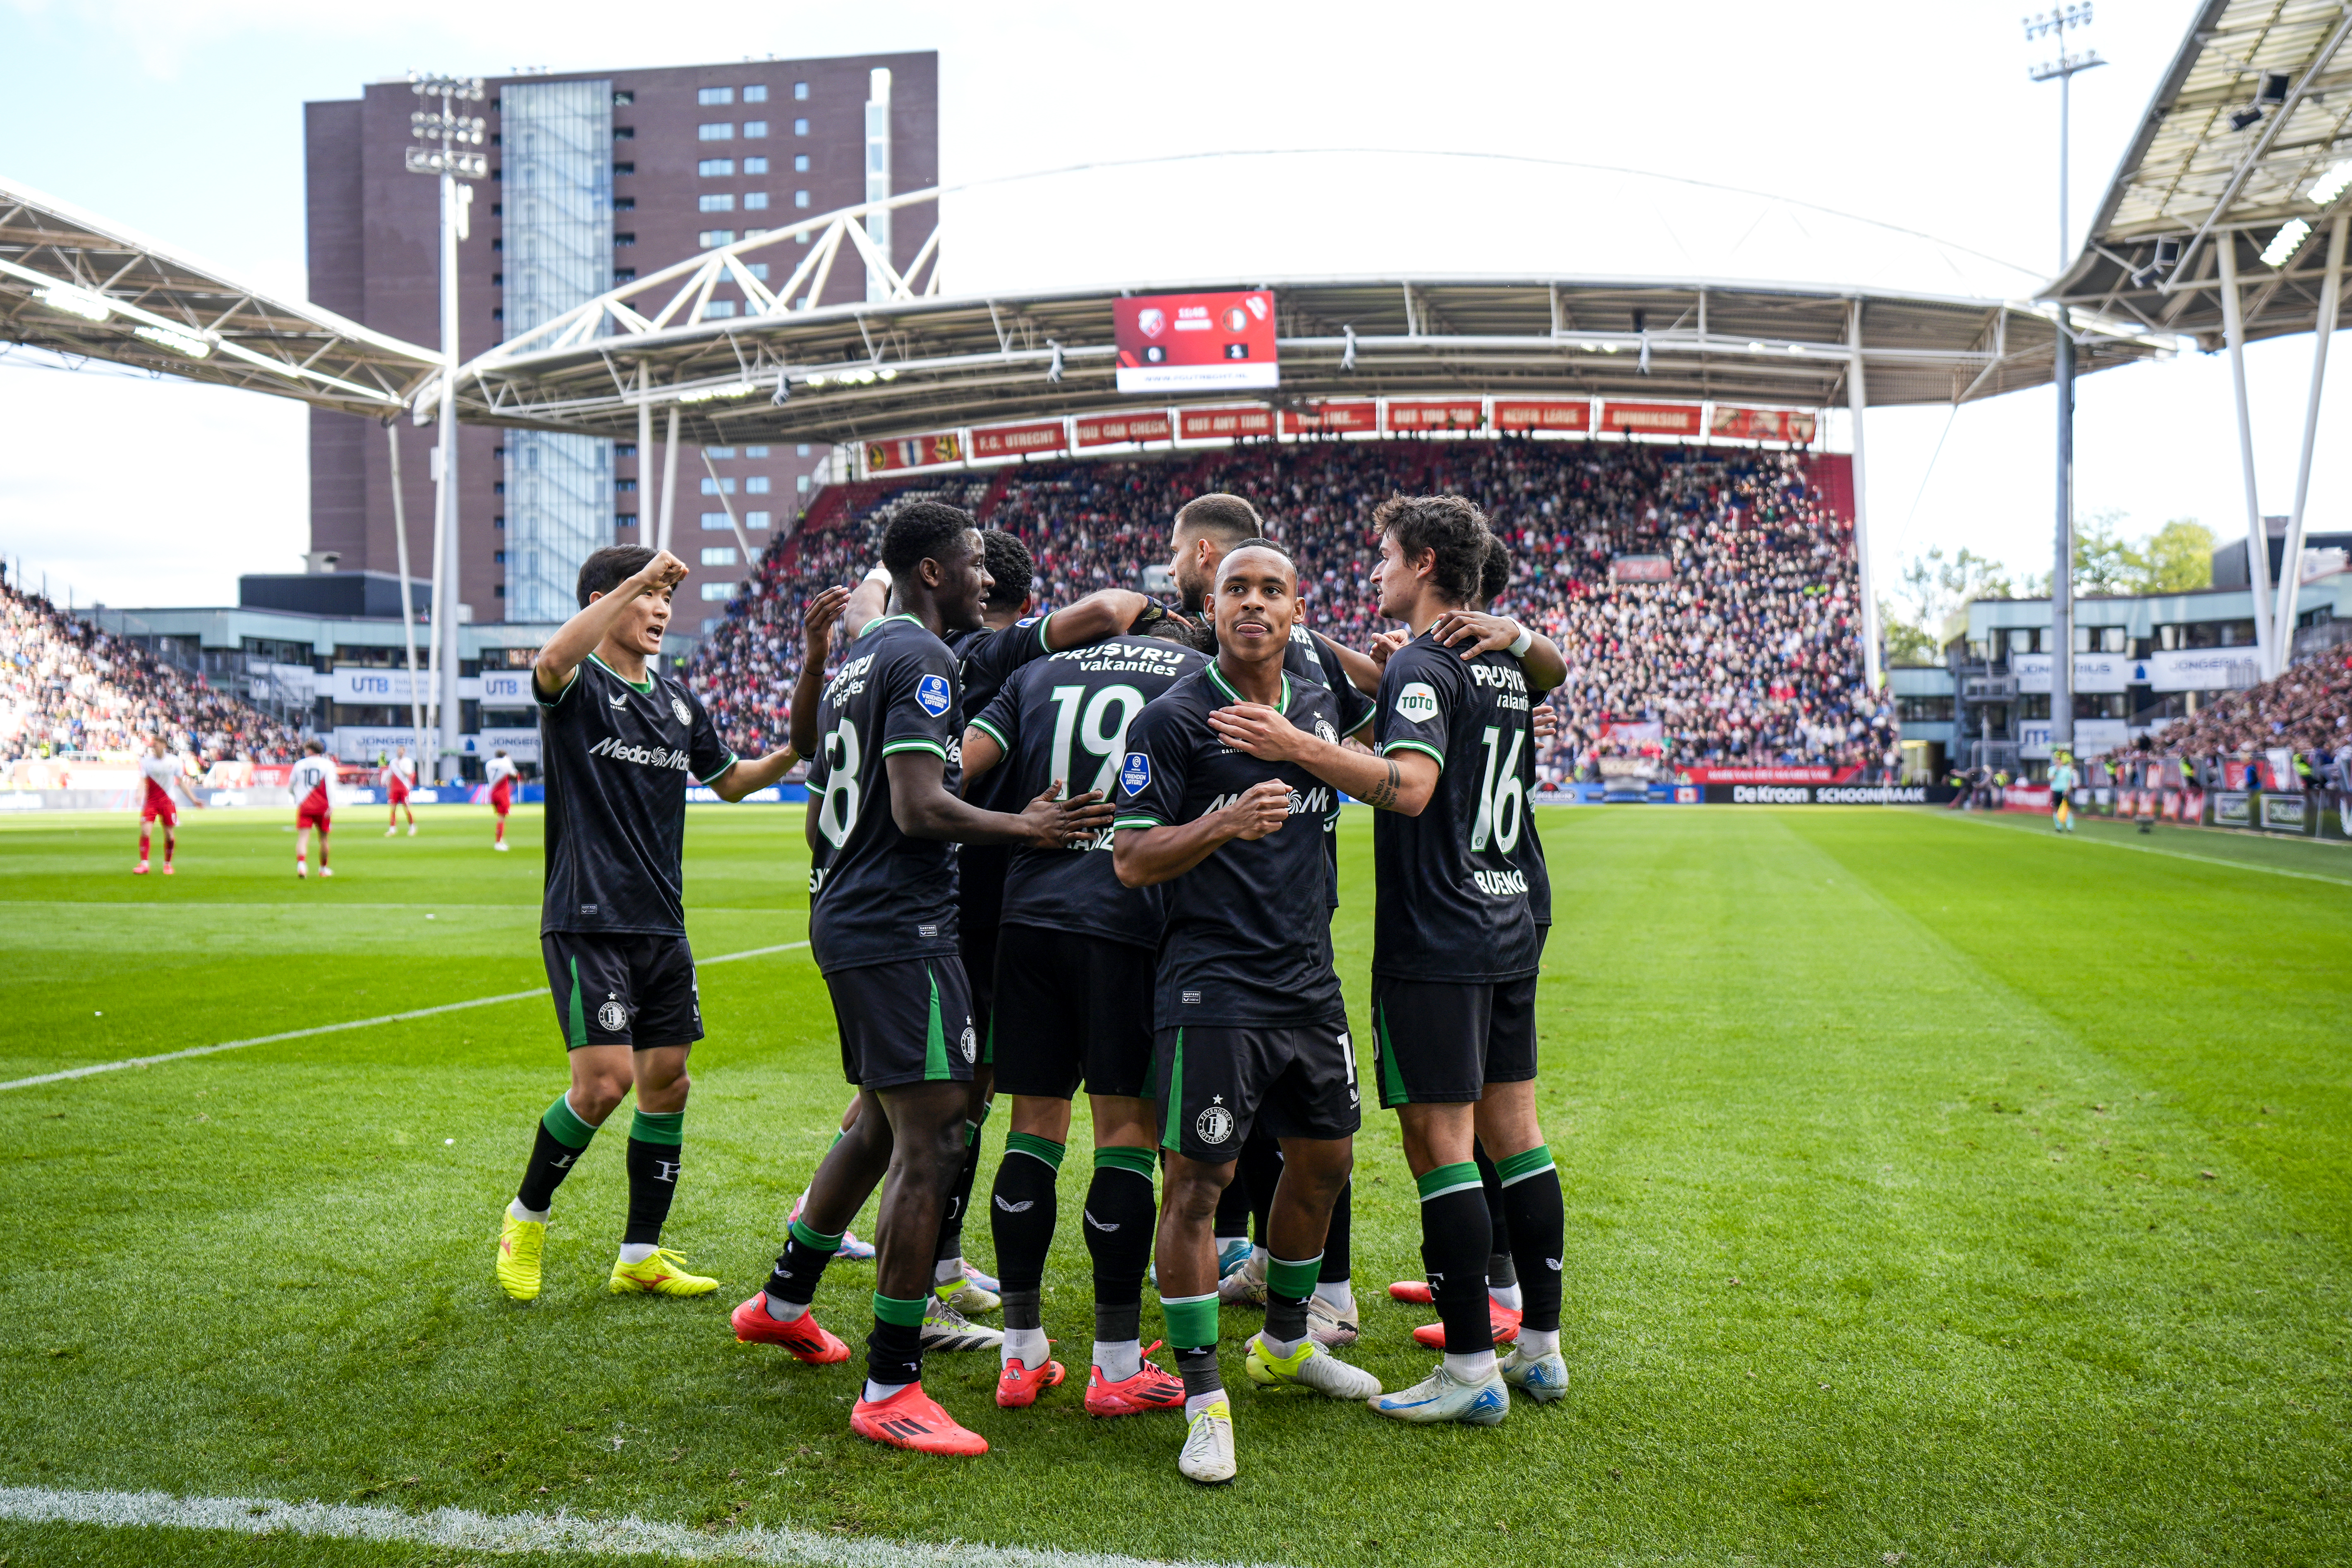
[662, 1274]
[520, 1241]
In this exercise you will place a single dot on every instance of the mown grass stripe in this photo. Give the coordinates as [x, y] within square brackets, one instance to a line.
[463, 1530]
[338, 1028]
[1945, 813]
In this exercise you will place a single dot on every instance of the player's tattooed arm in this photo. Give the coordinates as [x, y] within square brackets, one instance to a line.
[817, 642]
[1382, 796]
[1403, 783]
[616, 615]
[981, 753]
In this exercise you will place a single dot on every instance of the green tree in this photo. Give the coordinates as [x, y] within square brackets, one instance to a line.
[2104, 562]
[2177, 557]
[1905, 642]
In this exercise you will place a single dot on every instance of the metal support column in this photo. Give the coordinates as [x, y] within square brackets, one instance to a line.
[445, 594]
[1858, 400]
[644, 457]
[2290, 583]
[2062, 570]
[2258, 544]
[669, 480]
[407, 606]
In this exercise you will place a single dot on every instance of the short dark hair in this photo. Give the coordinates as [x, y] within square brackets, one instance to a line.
[1198, 638]
[1495, 572]
[1224, 518]
[1010, 565]
[314, 747]
[1452, 526]
[1257, 543]
[919, 533]
[607, 569]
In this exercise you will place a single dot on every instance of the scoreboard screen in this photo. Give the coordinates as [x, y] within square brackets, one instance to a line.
[1196, 343]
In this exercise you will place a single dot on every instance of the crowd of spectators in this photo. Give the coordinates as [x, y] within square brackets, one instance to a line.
[1743, 650]
[2305, 714]
[68, 689]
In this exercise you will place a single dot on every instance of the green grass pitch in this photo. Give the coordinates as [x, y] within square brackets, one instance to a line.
[1939, 1192]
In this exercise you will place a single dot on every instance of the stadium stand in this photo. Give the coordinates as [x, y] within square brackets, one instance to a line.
[2306, 712]
[1742, 649]
[66, 689]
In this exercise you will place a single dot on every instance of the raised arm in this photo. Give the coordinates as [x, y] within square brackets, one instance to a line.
[1363, 669]
[1499, 634]
[817, 643]
[1094, 617]
[576, 638]
[742, 777]
[1401, 782]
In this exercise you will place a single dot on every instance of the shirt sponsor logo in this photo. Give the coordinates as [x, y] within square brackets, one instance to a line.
[620, 751]
[933, 696]
[1416, 704]
[677, 706]
[927, 931]
[1135, 774]
[1301, 800]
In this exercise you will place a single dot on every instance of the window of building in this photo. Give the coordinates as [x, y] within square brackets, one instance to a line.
[499, 557]
[716, 522]
[755, 165]
[800, 164]
[499, 591]
[714, 168]
[715, 95]
[721, 131]
[625, 487]
[620, 169]
[803, 450]
[716, 309]
[711, 487]
[755, 201]
[756, 485]
[755, 451]
[719, 453]
[626, 450]
[624, 203]
[753, 233]
[624, 519]
[718, 555]
[754, 129]
[800, 127]
[498, 315]
[624, 133]
[498, 245]
[716, 201]
[758, 269]
[800, 239]
[710, 236]
[498, 522]
[623, 99]
[800, 90]
[712, 591]
[498, 209]
[755, 520]
[625, 275]
[755, 93]
[625, 239]
[802, 484]
[800, 199]
[1924, 709]
[498, 280]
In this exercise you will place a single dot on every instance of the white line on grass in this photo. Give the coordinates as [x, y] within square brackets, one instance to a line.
[338, 1028]
[1984, 821]
[465, 1530]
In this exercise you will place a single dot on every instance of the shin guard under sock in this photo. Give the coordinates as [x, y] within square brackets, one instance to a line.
[1454, 1242]
[960, 1196]
[562, 1138]
[1021, 1215]
[1539, 1223]
[655, 1137]
[1118, 1221]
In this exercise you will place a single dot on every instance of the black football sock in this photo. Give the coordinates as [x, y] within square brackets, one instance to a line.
[950, 1246]
[1021, 1218]
[894, 1350]
[1118, 1221]
[562, 1139]
[1538, 1226]
[1492, 1185]
[802, 1263]
[655, 1137]
[1454, 1247]
[1335, 1260]
[1260, 1166]
[1288, 1282]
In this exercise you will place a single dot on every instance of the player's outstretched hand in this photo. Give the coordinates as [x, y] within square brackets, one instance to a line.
[1259, 809]
[817, 621]
[1258, 729]
[664, 571]
[1056, 823]
[1484, 633]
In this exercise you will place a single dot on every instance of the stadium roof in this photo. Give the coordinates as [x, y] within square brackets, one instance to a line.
[77, 286]
[2254, 110]
[913, 362]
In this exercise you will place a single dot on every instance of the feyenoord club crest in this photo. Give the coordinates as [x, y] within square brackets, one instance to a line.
[677, 706]
[1214, 1125]
[1329, 735]
[612, 1017]
[971, 1044]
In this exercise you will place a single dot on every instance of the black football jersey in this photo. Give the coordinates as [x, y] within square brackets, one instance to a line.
[1454, 892]
[617, 756]
[986, 659]
[1246, 940]
[877, 896]
[1066, 717]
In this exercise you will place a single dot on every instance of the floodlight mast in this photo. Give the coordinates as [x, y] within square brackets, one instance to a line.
[449, 138]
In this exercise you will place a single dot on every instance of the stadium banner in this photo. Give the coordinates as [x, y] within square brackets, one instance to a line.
[519, 742]
[379, 686]
[1452, 414]
[1019, 440]
[507, 689]
[1541, 413]
[2026, 797]
[2093, 737]
[1113, 429]
[1640, 569]
[1787, 425]
[1651, 418]
[1195, 343]
[2197, 669]
[2232, 808]
[2094, 672]
[2287, 814]
[1220, 424]
[1818, 774]
[1829, 795]
[913, 452]
[1324, 418]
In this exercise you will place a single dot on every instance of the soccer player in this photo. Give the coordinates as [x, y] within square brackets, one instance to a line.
[882, 925]
[163, 772]
[2062, 789]
[1247, 1016]
[501, 773]
[398, 777]
[1074, 970]
[619, 740]
[310, 778]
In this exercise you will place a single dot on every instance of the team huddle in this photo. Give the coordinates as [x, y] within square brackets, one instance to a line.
[1021, 825]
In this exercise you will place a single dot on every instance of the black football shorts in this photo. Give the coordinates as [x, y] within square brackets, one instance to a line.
[1214, 1084]
[977, 946]
[1071, 1009]
[903, 1023]
[1434, 1042]
[635, 991]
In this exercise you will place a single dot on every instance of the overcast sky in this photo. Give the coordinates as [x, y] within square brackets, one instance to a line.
[184, 119]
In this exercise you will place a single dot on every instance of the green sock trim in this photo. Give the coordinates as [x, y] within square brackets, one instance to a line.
[564, 1125]
[658, 1127]
[1143, 1162]
[810, 1236]
[1528, 1162]
[1037, 1148]
[1446, 1178]
[1295, 1278]
[839, 1133]
[1192, 1321]
[891, 1310]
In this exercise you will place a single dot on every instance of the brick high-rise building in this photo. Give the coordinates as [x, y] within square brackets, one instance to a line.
[596, 177]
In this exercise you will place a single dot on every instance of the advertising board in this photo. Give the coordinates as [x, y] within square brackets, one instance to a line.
[1787, 425]
[1541, 413]
[1019, 440]
[1195, 343]
[1111, 429]
[2197, 669]
[1213, 423]
[2093, 671]
[913, 452]
[1327, 418]
[1827, 795]
[1651, 418]
[1448, 413]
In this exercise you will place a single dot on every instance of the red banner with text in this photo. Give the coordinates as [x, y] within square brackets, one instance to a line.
[1208, 423]
[1761, 424]
[1019, 440]
[1323, 418]
[1797, 775]
[1522, 414]
[913, 452]
[1110, 429]
[1453, 414]
[1651, 418]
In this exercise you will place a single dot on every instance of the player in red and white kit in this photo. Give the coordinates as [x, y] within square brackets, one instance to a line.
[312, 774]
[162, 773]
[502, 774]
[398, 777]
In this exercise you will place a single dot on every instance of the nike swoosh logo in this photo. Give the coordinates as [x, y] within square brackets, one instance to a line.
[1021, 1207]
[1098, 1225]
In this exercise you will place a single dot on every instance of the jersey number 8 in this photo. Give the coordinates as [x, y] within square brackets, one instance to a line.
[1502, 802]
[841, 793]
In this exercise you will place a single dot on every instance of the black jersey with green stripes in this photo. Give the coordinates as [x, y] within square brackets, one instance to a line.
[1066, 717]
[1454, 892]
[985, 660]
[877, 896]
[617, 755]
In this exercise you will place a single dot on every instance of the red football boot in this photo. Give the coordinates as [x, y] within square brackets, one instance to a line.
[1151, 1388]
[803, 1336]
[1412, 1292]
[1505, 1324]
[913, 1419]
[1018, 1386]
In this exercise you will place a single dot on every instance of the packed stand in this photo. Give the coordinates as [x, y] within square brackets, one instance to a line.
[1747, 653]
[67, 687]
[2306, 712]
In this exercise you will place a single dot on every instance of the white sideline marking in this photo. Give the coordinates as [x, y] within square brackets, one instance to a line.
[338, 1028]
[465, 1531]
[1986, 820]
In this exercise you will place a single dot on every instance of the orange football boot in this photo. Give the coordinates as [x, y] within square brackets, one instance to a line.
[1151, 1388]
[803, 1336]
[913, 1419]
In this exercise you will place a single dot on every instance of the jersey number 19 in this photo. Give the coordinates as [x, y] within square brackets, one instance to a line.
[1101, 729]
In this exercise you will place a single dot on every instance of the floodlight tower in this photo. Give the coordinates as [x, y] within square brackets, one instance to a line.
[449, 138]
[2055, 24]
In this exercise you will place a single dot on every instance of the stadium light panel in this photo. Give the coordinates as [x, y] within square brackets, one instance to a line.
[75, 301]
[2332, 183]
[711, 394]
[2285, 242]
[178, 342]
